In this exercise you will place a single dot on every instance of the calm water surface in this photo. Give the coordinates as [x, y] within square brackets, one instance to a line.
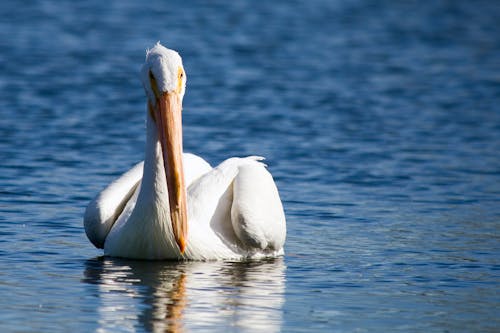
[380, 121]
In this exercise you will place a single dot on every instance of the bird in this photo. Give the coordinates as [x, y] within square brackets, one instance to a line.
[175, 205]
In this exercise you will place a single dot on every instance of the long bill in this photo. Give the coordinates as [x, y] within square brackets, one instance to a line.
[168, 114]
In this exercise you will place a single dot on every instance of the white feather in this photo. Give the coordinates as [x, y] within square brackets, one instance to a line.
[234, 209]
[105, 208]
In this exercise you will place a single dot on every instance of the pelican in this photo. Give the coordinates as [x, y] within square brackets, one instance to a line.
[174, 205]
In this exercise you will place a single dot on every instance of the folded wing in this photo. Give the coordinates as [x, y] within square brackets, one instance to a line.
[102, 212]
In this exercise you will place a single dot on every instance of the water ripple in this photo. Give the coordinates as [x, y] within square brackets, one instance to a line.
[379, 121]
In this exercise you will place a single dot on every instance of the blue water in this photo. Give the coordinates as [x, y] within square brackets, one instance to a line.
[380, 121]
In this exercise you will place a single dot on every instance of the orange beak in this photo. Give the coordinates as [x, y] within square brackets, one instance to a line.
[168, 114]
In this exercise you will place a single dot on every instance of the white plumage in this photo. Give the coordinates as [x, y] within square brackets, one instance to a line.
[233, 210]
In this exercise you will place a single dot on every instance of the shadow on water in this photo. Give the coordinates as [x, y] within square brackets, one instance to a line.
[179, 296]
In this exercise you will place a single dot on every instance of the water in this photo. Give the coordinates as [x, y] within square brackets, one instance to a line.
[379, 120]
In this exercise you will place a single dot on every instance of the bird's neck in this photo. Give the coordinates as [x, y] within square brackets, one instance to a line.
[150, 219]
[154, 184]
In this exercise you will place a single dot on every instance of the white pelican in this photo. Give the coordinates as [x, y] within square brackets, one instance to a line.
[174, 205]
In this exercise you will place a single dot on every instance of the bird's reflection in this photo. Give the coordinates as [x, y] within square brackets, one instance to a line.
[173, 297]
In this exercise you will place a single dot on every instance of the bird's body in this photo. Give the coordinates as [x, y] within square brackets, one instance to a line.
[232, 211]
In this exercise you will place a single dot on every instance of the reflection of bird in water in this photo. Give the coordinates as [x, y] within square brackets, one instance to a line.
[177, 304]
[232, 211]
[173, 297]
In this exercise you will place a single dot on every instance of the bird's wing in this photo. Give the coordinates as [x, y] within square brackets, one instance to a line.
[257, 213]
[104, 209]
[209, 208]
[238, 200]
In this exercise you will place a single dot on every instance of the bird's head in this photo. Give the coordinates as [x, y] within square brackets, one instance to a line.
[163, 73]
[164, 81]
